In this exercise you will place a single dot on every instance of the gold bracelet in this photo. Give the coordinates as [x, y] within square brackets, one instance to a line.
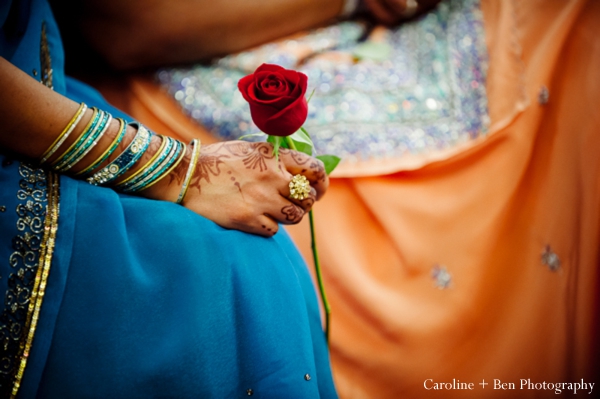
[96, 116]
[190, 171]
[166, 172]
[111, 148]
[65, 133]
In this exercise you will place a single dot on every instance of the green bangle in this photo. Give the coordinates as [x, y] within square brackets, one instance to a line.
[68, 153]
[65, 133]
[111, 148]
[126, 159]
[161, 169]
[163, 151]
[89, 143]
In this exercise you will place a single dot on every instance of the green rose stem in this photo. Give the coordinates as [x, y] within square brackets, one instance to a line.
[313, 244]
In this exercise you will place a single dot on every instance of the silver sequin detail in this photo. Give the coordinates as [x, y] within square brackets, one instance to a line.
[307, 377]
[428, 96]
[250, 392]
[2, 208]
[543, 95]
[550, 259]
[441, 277]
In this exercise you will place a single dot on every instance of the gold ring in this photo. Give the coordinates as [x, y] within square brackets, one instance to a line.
[299, 187]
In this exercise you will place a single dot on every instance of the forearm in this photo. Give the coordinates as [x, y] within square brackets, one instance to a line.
[140, 33]
[34, 116]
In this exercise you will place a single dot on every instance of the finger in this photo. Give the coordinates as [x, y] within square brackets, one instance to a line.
[397, 7]
[290, 213]
[266, 226]
[283, 210]
[299, 163]
[261, 225]
[381, 12]
[306, 204]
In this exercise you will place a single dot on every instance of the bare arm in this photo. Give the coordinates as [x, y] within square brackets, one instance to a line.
[239, 185]
[141, 33]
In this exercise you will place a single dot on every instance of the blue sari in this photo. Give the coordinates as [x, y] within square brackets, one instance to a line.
[113, 296]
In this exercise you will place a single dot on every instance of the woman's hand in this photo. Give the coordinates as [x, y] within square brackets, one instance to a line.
[241, 185]
[390, 12]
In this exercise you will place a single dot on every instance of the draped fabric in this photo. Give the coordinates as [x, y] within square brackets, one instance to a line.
[106, 295]
[481, 262]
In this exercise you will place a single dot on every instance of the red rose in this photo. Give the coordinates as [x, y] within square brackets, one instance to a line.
[276, 98]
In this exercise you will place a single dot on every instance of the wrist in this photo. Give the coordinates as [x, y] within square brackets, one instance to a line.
[169, 186]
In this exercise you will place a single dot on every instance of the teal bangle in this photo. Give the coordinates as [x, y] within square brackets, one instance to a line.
[109, 150]
[71, 151]
[90, 143]
[152, 166]
[126, 159]
[161, 170]
[65, 133]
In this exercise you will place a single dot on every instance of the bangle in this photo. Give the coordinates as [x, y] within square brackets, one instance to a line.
[172, 160]
[70, 152]
[126, 159]
[94, 136]
[190, 171]
[111, 148]
[165, 148]
[64, 134]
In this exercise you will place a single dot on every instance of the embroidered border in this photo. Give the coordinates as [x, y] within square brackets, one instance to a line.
[31, 260]
[45, 59]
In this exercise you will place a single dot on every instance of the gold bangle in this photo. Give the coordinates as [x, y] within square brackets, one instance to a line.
[65, 133]
[90, 142]
[111, 148]
[140, 170]
[89, 124]
[190, 171]
[166, 172]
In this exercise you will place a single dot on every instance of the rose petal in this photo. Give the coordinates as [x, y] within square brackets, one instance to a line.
[288, 120]
[269, 68]
[273, 87]
[244, 86]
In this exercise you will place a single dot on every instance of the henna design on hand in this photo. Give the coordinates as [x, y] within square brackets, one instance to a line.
[293, 213]
[318, 171]
[254, 156]
[298, 157]
[207, 165]
[308, 203]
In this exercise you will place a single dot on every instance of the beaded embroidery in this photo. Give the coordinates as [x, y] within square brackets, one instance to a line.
[31, 259]
[429, 95]
[45, 60]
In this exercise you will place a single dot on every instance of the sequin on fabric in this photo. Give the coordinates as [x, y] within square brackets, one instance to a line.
[429, 95]
[30, 261]
[550, 259]
[46, 60]
[441, 278]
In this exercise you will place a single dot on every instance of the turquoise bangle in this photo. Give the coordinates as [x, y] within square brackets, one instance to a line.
[126, 159]
[109, 151]
[65, 133]
[90, 143]
[150, 168]
[64, 159]
[162, 169]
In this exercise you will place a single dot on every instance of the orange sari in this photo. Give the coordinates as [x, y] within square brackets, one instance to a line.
[480, 264]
